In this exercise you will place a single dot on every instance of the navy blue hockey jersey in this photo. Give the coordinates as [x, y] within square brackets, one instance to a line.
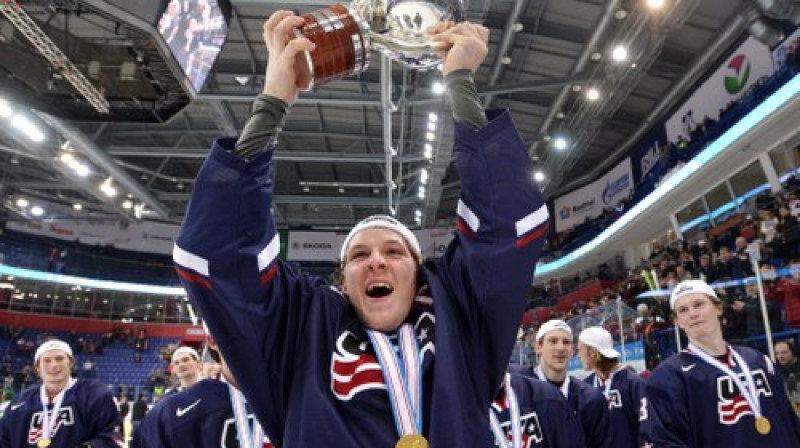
[624, 402]
[588, 404]
[295, 344]
[689, 403]
[546, 421]
[87, 414]
[200, 416]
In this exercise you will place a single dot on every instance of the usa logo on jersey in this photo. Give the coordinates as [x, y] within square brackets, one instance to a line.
[355, 367]
[614, 399]
[64, 418]
[531, 430]
[732, 405]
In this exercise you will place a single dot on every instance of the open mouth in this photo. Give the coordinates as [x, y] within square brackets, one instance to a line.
[378, 290]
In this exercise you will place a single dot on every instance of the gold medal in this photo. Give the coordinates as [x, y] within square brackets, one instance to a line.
[43, 443]
[412, 441]
[763, 426]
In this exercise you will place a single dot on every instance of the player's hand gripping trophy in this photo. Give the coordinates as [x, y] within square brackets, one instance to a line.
[344, 36]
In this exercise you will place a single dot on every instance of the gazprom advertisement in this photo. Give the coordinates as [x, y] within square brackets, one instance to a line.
[647, 154]
[740, 71]
[590, 200]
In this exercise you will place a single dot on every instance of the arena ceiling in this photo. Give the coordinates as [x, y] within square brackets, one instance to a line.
[332, 168]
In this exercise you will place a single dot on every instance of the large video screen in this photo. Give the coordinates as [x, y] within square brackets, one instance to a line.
[195, 31]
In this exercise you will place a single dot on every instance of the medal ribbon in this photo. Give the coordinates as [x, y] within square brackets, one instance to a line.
[403, 377]
[748, 391]
[564, 388]
[48, 425]
[248, 437]
[514, 414]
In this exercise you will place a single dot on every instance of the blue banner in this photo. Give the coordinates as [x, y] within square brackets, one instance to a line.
[647, 154]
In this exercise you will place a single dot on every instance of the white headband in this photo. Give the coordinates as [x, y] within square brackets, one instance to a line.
[384, 222]
[53, 344]
[187, 350]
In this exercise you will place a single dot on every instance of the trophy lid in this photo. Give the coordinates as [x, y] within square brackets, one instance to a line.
[397, 27]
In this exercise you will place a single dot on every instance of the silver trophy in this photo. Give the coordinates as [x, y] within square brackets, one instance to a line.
[344, 36]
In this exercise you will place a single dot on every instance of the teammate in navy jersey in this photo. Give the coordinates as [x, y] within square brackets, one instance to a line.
[186, 367]
[712, 394]
[621, 386]
[62, 412]
[313, 359]
[207, 414]
[554, 348]
[545, 419]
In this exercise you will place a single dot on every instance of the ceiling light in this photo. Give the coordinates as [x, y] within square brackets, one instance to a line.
[593, 94]
[619, 53]
[505, 60]
[577, 88]
[621, 14]
[22, 202]
[430, 136]
[538, 176]
[655, 4]
[81, 169]
[341, 189]
[596, 56]
[5, 109]
[517, 27]
[421, 192]
[306, 189]
[127, 204]
[560, 143]
[560, 115]
[417, 212]
[431, 126]
[433, 117]
[423, 175]
[438, 88]
[37, 211]
[77, 206]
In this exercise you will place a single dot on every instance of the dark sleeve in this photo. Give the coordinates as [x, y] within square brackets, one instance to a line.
[259, 308]
[501, 227]
[105, 425]
[664, 419]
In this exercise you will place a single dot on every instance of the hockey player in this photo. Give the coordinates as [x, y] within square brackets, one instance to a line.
[554, 349]
[210, 414]
[712, 394]
[186, 367]
[531, 413]
[62, 412]
[317, 363]
[621, 386]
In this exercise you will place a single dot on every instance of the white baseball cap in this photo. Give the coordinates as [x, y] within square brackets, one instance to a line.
[600, 339]
[687, 287]
[383, 222]
[52, 344]
[185, 350]
[553, 324]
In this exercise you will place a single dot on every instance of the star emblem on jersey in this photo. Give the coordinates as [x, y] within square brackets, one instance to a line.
[180, 412]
